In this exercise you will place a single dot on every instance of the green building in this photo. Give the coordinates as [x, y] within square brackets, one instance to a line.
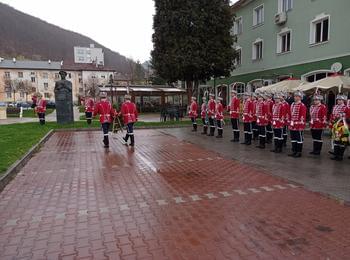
[278, 39]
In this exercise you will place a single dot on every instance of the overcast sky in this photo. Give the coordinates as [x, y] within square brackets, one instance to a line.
[124, 26]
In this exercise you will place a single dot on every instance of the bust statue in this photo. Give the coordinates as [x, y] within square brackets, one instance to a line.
[64, 100]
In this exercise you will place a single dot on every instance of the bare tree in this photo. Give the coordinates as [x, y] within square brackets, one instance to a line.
[91, 87]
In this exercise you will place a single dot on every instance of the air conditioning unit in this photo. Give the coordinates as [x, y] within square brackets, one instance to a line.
[281, 18]
[267, 82]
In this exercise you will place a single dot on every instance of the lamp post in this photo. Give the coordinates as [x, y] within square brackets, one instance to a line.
[111, 86]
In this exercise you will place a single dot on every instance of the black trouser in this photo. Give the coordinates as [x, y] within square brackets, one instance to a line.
[212, 126]
[285, 135]
[262, 135]
[194, 123]
[317, 140]
[278, 139]
[255, 129]
[219, 126]
[269, 133]
[248, 133]
[297, 140]
[41, 117]
[105, 129]
[235, 128]
[88, 116]
[130, 132]
[205, 126]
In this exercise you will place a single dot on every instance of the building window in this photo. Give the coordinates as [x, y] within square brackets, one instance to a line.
[8, 94]
[21, 94]
[7, 74]
[32, 79]
[46, 86]
[284, 41]
[47, 95]
[103, 76]
[81, 59]
[57, 76]
[285, 5]
[238, 26]
[239, 87]
[258, 50]
[258, 15]
[20, 74]
[32, 73]
[80, 80]
[70, 75]
[81, 51]
[45, 75]
[238, 60]
[319, 31]
[316, 75]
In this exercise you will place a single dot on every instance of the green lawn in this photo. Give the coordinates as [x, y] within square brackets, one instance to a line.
[30, 113]
[17, 139]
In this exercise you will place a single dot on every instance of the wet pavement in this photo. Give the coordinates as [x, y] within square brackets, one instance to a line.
[165, 199]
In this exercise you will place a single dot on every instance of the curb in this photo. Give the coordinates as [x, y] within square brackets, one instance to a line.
[11, 173]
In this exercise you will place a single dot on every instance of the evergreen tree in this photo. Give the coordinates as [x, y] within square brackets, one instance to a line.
[192, 40]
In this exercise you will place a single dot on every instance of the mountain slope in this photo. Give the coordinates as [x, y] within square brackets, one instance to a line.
[28, 36]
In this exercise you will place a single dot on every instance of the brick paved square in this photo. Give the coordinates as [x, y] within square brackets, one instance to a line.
[165, 199]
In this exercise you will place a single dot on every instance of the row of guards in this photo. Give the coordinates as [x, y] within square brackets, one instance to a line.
[268, 117]
[127, 116]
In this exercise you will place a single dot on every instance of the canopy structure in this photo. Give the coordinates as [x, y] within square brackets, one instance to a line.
[336, 81]
[288, 85]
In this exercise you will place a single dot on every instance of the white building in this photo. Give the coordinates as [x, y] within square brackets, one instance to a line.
[89, 55]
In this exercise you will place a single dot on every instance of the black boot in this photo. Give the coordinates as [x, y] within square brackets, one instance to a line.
[280, 146]
[319, 148]
[275, 149]
[255, 135]
[245, 138]
[269, 138]
[262, 141]
[299, 150]
[205, 130]
[212, 131]
[220, 131]
[284, 143]
[249, 141]
[132, 140]
[314, 148]
[294, 149]
[106, 141]
[338, 153]
[236, 136]
[194, 128]
[126, 138]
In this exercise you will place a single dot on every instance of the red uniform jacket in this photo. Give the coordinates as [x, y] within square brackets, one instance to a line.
[219, 112]
[129, 112]
[193, 110]
[337, 112]
[297, 117]
[89, 105]
[318, 116]
[261, 113]
[41, 106]
[105, 110]
[254, 110]
[248, 109]
[204, 110]
[347, 112]
[287, 113]
[211, 108]
[233, 108]
[278, 115]
[269, 104]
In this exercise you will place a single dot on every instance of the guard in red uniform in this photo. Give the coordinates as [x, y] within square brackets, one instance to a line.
[105, 109]
[318, 122]
[269, 105]
[261, 119]
[247, 116]
[40, 109]
[192, 113]
[278, 122]
[204, 116]
[255, 127]
[219, 116]
[297, 124]
[130, 116]
[233, 109]
[286, 118]
[338, 110]
[211, 114]
[89, 108]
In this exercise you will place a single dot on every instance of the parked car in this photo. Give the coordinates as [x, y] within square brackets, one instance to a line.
[51, 104]
[25, 105]
[3, 104]
[11, 104]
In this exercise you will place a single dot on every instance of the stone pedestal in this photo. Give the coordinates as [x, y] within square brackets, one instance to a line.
[3, 113]
[64, 100]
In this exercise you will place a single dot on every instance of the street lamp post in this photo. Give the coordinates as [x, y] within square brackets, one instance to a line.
[111, 87]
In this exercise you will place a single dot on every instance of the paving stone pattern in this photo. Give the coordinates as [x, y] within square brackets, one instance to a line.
[165, 199]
